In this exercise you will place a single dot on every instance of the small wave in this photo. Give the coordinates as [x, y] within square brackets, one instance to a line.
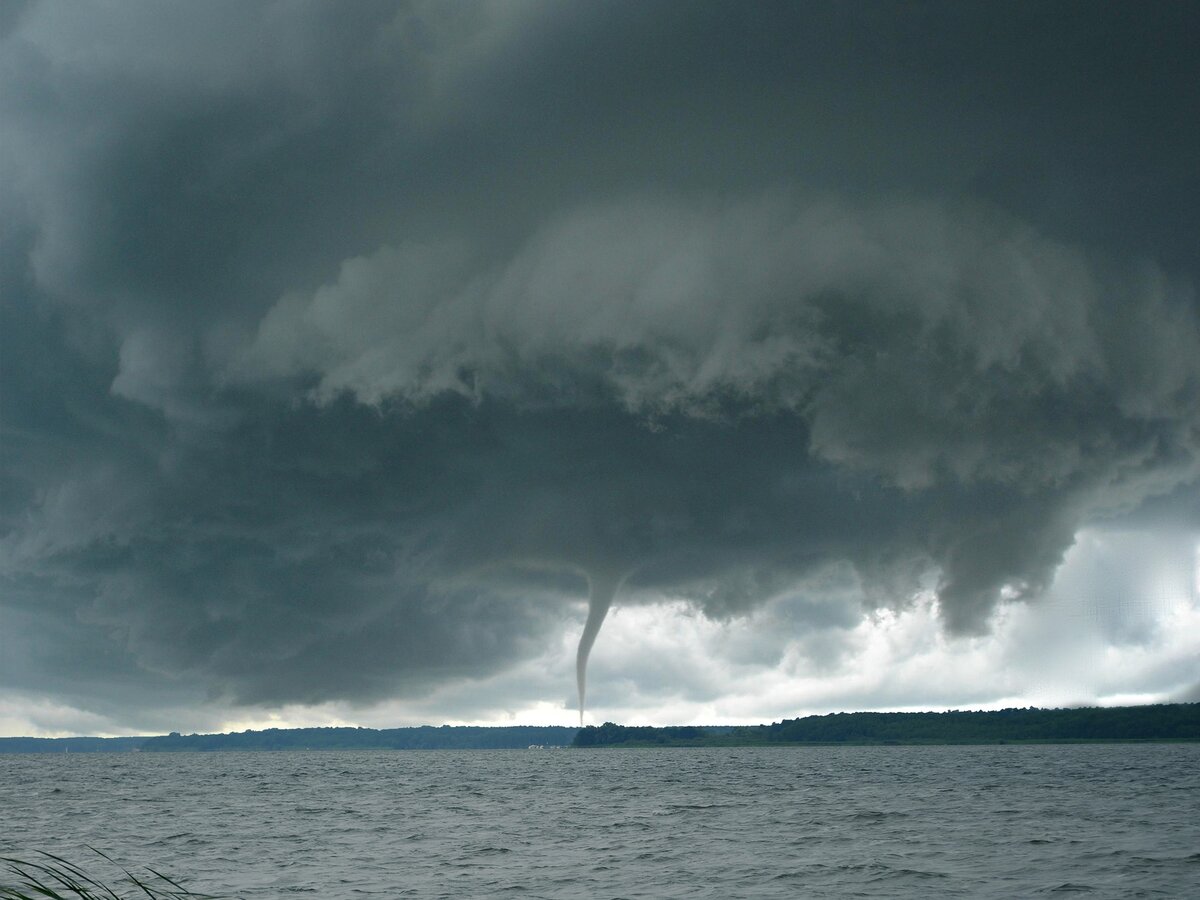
[1067, 887]
[874, 816]
[172, 838]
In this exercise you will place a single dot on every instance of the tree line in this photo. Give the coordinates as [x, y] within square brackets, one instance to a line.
[1161, 722]
[425, 737]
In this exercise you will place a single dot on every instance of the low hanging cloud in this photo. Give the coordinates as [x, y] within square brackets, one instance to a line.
[954, 358]
[911, 339]
[342, 350]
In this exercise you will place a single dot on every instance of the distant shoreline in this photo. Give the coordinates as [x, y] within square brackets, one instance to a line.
[1175, 722]
[423, 737]
[1162, 723]
[817, 745]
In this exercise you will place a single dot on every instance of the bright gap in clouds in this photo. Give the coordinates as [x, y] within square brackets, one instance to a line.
[1120, 625]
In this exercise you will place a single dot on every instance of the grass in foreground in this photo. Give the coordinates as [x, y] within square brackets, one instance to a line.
[54, 878]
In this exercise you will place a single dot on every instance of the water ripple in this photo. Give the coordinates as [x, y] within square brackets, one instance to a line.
[1103, 821]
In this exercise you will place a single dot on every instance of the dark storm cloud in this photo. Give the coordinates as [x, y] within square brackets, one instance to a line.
[340, 344]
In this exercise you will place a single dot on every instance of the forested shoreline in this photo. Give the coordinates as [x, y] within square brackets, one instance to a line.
[1162, 722]
[423, 737]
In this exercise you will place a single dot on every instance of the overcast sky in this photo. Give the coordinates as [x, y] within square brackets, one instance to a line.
[346, 347]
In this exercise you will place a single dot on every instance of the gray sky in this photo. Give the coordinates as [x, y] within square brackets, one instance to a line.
[343, 344]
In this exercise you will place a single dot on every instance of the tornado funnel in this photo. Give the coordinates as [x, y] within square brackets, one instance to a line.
[602, 587]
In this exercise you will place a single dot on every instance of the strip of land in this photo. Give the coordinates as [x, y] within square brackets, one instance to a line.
[425, 737]
[1163, 722]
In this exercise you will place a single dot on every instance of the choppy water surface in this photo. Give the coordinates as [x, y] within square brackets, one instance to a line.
[1110, 821]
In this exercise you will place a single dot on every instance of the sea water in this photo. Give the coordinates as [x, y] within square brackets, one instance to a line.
[1117, 820]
